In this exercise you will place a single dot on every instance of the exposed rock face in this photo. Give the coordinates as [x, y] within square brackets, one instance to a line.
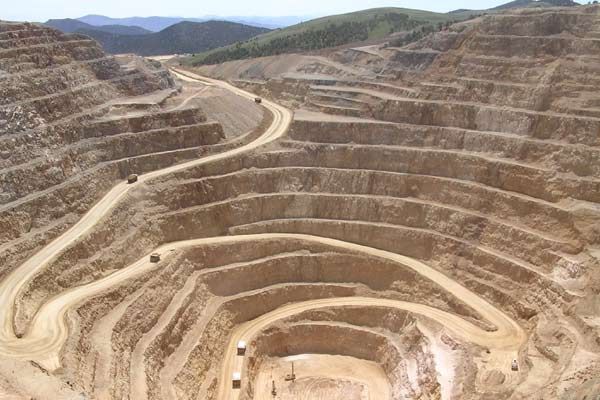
[474, 151]
[72, 122]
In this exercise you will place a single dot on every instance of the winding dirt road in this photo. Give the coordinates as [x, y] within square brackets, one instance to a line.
[504, 342]
[43, 340]
[48, 330]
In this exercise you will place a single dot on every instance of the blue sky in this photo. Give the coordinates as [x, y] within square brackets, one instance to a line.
[41, 10]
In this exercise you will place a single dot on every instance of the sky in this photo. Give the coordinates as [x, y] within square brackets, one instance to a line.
[42, 10]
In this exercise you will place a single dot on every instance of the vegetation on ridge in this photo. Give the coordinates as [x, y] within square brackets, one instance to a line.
[326, 32]
[181, 38]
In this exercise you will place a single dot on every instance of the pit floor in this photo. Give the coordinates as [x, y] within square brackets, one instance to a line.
[322, 377]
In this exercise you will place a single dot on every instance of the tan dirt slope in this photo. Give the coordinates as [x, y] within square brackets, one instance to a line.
[426, 214]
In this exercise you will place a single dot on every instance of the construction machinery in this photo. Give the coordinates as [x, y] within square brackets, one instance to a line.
[291, 377]
[514, 365]
[241, 348]
[236, 380]
[133, 178]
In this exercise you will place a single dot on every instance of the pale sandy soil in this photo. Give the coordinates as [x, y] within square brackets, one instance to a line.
[322, 377]
[432, 209]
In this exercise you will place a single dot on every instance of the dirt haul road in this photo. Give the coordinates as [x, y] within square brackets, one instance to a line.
[504, 342]
[42, 343]
[48, 330]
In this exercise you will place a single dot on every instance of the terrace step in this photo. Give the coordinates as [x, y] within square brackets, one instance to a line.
[527, 179]
[337, 110]
[565, 158]
[376, 184]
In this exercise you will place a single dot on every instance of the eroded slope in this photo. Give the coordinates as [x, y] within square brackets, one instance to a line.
[469, 158]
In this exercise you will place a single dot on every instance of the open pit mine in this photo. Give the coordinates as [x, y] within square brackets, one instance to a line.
[367, 223]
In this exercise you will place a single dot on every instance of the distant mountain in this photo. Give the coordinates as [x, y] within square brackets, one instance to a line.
[265, 22]
[157, 24]
[533, 3]
[183, 37]
[154, 24]
[460, 10]
[68, 25]
[121, 29]
[523, 4]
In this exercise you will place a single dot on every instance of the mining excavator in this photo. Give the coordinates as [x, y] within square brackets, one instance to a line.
[514, 365]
